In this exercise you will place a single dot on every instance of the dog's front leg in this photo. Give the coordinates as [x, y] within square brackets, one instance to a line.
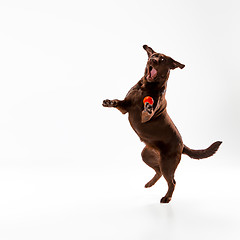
[122, 106]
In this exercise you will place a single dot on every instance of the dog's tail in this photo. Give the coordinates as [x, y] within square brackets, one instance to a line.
[204, 153]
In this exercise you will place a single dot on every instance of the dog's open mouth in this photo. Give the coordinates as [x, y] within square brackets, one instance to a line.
[152, 73]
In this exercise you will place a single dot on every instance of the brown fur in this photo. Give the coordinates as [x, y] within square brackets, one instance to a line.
[164, 145]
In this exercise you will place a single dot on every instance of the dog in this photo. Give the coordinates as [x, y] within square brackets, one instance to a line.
[164, 144]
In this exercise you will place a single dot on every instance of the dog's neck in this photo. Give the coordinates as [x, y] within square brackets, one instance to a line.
[155, 86]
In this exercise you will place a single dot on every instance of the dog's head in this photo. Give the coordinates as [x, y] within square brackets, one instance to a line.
[159, 66]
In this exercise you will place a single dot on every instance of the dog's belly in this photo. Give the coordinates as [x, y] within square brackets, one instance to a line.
[158, 129]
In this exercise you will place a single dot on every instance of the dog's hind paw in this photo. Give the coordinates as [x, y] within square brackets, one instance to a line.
[165, 200]
[150, 184]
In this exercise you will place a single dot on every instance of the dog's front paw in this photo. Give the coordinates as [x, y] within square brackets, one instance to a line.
[109, 103]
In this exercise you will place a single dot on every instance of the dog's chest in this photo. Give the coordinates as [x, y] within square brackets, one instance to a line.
[137, 99]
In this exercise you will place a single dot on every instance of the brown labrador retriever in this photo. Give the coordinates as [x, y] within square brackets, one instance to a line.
[146, 105]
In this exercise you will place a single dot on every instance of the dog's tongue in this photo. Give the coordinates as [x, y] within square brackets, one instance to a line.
[153, 73]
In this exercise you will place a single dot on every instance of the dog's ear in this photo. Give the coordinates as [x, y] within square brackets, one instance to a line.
[174, 64]
[149, 50]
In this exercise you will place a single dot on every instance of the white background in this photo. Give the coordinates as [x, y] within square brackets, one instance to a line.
[71, 169]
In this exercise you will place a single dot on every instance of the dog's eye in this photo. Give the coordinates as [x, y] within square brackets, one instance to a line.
[154, 61]
[162, 59]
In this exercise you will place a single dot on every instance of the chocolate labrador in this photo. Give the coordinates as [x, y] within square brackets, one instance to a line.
[146, 105]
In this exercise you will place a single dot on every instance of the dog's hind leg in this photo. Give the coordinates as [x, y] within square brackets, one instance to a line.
[151, 157]
[168, 166]
[153, 180]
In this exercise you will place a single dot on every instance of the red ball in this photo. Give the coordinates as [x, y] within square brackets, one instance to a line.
[148, 99]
